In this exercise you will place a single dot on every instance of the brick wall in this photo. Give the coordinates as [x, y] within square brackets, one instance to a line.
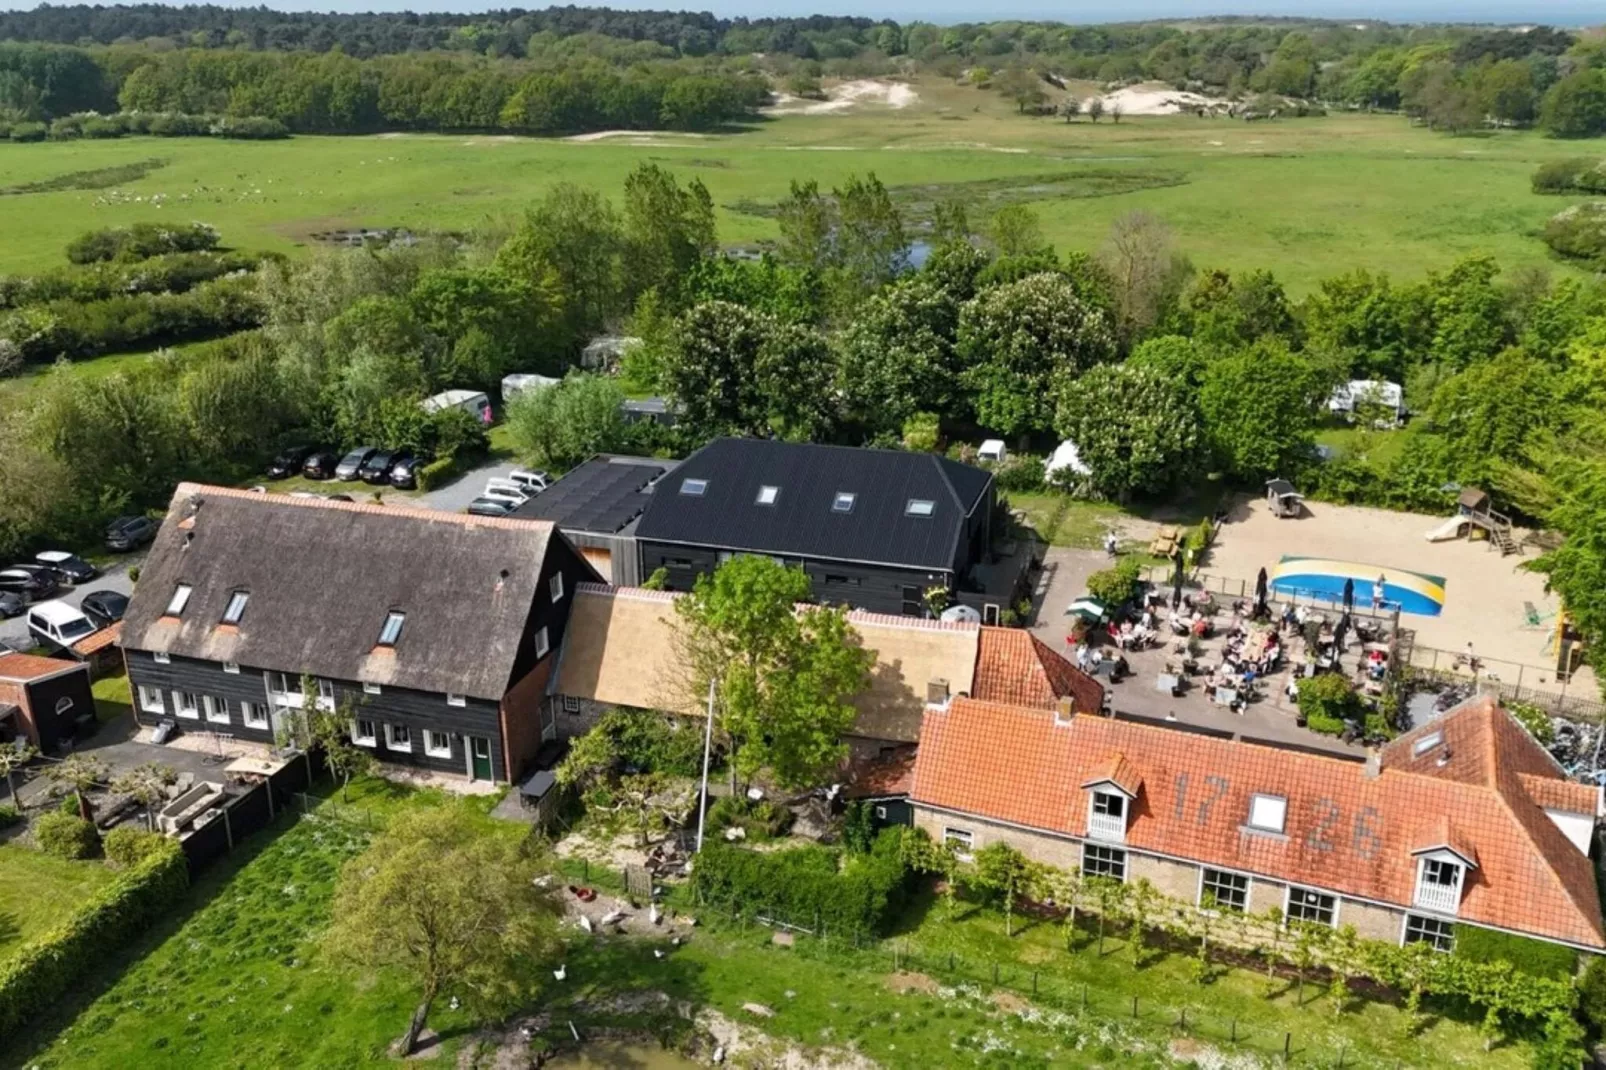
[521, 720]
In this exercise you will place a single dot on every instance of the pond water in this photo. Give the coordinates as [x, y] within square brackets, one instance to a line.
[607, 1055]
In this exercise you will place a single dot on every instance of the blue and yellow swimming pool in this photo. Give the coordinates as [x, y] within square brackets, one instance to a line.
[1323, 578]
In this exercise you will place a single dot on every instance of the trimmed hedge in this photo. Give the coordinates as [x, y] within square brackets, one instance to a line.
[36, 975]
[141, 241]
[65, 835]
[1579, 232]
[811, 887]
[1536, 957]
[41, 333]
[166, 124]
[436, 473]
[169, 273]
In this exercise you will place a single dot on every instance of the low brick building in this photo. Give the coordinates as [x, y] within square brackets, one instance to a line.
[1466, 820]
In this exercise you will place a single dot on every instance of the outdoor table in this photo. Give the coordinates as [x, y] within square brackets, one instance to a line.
[1169, 683]
[1226, 696]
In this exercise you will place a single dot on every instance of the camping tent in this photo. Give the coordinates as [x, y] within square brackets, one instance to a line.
[1067, 457]
[1386, 395]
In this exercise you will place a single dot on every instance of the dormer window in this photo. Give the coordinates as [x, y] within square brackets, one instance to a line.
[695, 488]
[236, 607]
[1106, 819]
[180, 599]
[920, 507]
[767, 495]
[1438, 883]
[391, 632]
[843, 502]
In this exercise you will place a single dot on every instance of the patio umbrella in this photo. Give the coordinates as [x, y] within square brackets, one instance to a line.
[1340, 630]
[1260, 595]
[1349, 595]
[1089, 609]
[1176, 578]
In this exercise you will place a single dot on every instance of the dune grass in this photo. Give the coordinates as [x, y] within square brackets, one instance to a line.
[1304, 197]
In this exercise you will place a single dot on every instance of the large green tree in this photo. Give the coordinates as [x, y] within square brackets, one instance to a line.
[667, 230]
[452, 905]
[783, 673]
[1576, 105]
[576, 233]
[1259, 407]
[562, 425]
[1137, 430]
[1489, 411]
[1018, 340]
[895, 357]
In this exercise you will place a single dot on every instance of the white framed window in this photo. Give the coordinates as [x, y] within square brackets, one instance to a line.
[326, 694]
[767, 495]
[920, 507]
[542, 644]
[362, 732]
[392, 629]
[456, 700]
[1426, 743]
[881, 813]
[254, 715]
[370, 689]
[694, 488]
[1103, 862]
[217, 711]
[437, 744]
[1268, 813]
[1221, 890]
[398, 737]
[185, 704]
[843, 502]
[963, 842]
[236, 607]
[571, 703]
[555, 586]
[150, 699]
[232, 668]
[64, 705]
[1435, 931]
[180, 599]
[1107, 818]
[1438, 884]
[161, 658]
[279, 685]
[1309, 905]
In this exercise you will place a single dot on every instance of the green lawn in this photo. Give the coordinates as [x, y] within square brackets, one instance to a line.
[1304, 197]
[1061, 520]
[1380, 447]
[112, 697]
[37, 891]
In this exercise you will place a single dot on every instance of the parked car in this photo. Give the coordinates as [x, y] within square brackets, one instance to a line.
[320, 464]
[350, 466]
[129, 533]
[55, 625]
[289, 461]
[505, 491]
[376, 469]
[404, 473]
[531, 480]
[73, 569]
[491, 507]
[11, 604]
[33, 582]
[105, 608]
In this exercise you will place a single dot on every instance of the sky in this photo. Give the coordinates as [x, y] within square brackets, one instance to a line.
[1552, 12]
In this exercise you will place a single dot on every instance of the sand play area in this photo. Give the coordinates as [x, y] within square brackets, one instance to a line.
[1485, 595]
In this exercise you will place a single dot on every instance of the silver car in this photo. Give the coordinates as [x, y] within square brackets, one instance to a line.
[352, 462]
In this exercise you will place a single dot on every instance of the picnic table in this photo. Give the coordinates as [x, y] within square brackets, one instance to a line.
[1166, 541]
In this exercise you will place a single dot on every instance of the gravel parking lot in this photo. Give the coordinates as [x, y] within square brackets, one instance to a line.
[114, 578]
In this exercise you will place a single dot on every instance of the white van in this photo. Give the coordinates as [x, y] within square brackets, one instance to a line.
[992, 450]
[529, 480]
[57, 625]
[505, 491]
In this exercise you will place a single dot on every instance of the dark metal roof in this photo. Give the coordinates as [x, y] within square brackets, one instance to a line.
[1280, 487]
[324, 575]
[801, 522]
[603, 495]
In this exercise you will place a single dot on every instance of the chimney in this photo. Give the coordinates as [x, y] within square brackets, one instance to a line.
[1064, 710]
[937, 693]
[1374, 762]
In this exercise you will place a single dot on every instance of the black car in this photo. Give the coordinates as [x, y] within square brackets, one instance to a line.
[404, 473]
[376, 469]
[104, 608]
[31, 582]
[72, 568]
[320, 464]
[129, 532]
[11, 604]
[350, 466]
[490, 507]
[289, 461]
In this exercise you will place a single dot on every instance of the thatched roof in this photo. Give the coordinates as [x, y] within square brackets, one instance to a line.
[322, 577]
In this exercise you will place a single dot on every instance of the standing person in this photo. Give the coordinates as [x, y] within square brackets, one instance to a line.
[1379, 592]
[1110, 544]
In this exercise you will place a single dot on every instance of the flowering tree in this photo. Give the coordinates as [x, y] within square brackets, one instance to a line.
[1137, 430]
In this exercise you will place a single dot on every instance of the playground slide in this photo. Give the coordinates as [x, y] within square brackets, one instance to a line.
[1450, 529]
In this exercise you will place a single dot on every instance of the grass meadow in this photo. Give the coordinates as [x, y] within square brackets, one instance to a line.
[38, 890]
[1304, 197]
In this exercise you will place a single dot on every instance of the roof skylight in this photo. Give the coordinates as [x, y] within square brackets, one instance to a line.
[768, 494]
[1426, 743]
[843, 502]
[180, 599]
[393, 628]
[236, 607]
[920, 507]
[696, 488]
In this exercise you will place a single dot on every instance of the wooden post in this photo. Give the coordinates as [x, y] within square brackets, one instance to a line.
[995, 971]
[1182, 1023]
[1288, 1044]
[1134, 1007]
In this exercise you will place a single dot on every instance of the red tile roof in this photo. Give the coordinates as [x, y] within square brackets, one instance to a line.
[1118, 771]
[1347, 830]
[1440, 833]
[881, 778]
[1013, 666]
[98, 641]
[21, 668]
[1568, 796]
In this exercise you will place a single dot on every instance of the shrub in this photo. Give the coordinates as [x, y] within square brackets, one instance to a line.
[1592, 994]
[760, 821]
[127, 846]
[1579, 232]
[1536, 957]
[29, 131]
[35, 976]
[64, 835]
[251, 128]
[1535, 720]
[9, 815]
[1118, 584]
[812, 887]
[653, 743]
[1560, 176]
[45, 332]
[1019, 472]
[436, 472]
[140, 241]
[922, 432]
[1328, 701]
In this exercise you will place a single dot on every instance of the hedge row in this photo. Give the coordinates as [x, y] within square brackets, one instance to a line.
[1579, 232]
[1579, 174]
[811, 887]
[141, 241]
[155, 124]
[1536, 957]
[36, 976]
[41, 333]
[169, 273]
